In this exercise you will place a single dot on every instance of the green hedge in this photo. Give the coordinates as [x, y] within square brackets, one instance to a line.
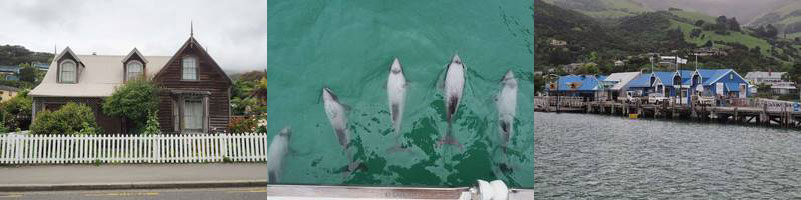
[71, 119]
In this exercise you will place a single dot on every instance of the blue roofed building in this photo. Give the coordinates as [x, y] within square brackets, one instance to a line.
[588, 86]
[721, 83]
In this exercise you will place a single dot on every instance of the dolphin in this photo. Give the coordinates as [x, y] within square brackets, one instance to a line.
[454, 85]
[506, 102]
[336, 116]
[396, 92]
[276, 153]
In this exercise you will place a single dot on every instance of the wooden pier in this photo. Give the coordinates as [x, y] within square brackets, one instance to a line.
[745, 111]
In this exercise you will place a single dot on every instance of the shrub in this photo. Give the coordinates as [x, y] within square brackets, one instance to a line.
[243, 125]
[71, 119]
[134, 101]
[16, 112]
[152, 125]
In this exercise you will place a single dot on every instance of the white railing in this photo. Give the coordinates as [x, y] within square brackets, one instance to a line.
[57, 149]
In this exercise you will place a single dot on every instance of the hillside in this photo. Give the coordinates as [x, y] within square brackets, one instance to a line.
[786, 18]
[603, 8]
[13, 55]
[603, 41]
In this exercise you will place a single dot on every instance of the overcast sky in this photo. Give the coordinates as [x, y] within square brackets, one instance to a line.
[233, 31]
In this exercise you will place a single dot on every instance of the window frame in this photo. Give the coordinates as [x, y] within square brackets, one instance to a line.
[180, 115]
[128, 68]
[62, 68]
[195, 68]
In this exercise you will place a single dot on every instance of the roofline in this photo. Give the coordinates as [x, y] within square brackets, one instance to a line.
[729, 70]
[134, 51]
[192, 40]
[67, 50]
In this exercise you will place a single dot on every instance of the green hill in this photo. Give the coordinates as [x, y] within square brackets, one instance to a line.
[603, 8]
[786, 18]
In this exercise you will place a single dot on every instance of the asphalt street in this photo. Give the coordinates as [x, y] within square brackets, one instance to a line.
[259, 193]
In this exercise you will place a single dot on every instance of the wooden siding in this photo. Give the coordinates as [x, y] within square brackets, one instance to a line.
[210, 79]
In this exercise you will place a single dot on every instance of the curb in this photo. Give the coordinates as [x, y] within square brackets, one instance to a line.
[134, 185]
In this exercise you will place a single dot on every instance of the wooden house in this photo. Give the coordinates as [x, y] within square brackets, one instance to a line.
[194, 91]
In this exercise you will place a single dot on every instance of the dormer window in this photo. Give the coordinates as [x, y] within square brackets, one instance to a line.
[189, 69]
[134, 70]
[68, 71]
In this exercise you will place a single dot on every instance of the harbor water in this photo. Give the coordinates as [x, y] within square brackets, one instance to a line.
[586, 156]
[348, 46]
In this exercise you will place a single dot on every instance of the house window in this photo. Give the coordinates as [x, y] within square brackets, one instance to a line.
[189, 69]
[731, 76]
[133, 70]
[193, 115]
[68, 69]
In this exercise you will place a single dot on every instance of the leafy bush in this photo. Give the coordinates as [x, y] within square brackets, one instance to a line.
[16, 113]
[71, 119]
[243, 125]
[134, 101]
[152, 125]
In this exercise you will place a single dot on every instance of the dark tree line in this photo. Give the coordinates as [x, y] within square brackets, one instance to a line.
[14, 55]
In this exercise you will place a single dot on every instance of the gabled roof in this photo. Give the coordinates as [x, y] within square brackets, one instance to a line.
[191, 42]
[711, 76]
[764, 75]
[666, 78]
[587, 83]
[622, 79]
[68, 51]
[101, 75]
[134, 52]
[643, 81]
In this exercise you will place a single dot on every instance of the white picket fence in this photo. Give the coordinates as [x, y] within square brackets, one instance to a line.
[56, 149]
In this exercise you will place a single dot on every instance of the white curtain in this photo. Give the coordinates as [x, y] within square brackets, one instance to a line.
[193, 114]
[134, 70]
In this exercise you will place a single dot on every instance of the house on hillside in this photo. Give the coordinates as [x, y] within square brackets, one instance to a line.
[194, 91]
[774, 79]
[7, 93]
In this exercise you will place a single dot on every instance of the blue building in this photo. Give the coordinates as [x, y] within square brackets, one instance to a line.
[588, 86]
[703, 82]
[720, 83]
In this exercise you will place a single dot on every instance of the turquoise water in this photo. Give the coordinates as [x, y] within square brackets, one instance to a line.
[348, 46]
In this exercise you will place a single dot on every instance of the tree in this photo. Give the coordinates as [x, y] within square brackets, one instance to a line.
[133, 101]
[695, 33]
[709, 43]
[700, 23]
[27, 73]
[771, 31]
[734, 25]
[70, 119]
[17, 111]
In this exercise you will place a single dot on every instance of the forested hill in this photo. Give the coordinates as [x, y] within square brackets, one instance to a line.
[13, 55]
[567, 36]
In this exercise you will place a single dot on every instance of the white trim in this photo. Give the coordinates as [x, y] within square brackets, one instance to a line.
[735, 72]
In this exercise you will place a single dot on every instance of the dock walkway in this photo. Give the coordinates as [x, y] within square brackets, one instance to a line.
[748, 111]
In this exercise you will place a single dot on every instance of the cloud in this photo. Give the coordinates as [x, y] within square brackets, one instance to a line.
[234, 32]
